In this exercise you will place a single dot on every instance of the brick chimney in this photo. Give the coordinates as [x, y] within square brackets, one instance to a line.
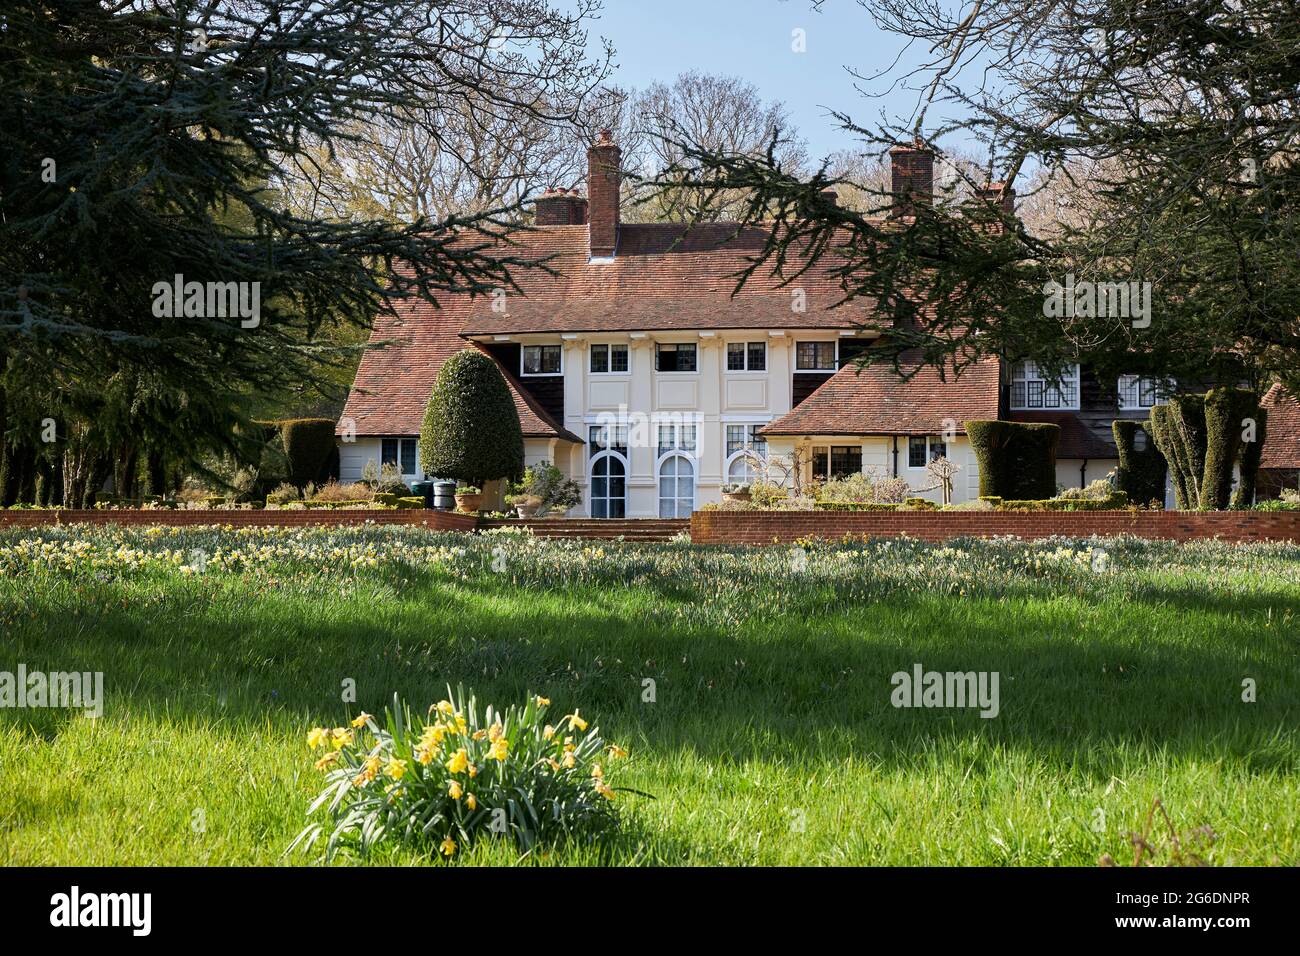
[561, 207]
[912, 177]
[604, 174]
[999, 195]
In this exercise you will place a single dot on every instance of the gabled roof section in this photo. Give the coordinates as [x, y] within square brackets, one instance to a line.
[876, 401]
[1077, 439]
[1282, 430]
[663, 277]
[393, 381]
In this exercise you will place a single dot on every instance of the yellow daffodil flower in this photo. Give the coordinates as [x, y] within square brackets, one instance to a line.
[542, 701]
[360, 719]
[318, 737]
[577, 721]
[396, 768]
[548, 732]
[342, 738]
[498, 749]
[454, 790]
[448, 847]
[471, 802]
[328, 760]
[616, 751]
[459, 761]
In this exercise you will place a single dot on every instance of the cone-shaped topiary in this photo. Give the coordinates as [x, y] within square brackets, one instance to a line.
[471, 429]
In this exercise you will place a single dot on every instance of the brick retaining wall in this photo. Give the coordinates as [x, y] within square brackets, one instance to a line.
[779, 527]
[437, 520]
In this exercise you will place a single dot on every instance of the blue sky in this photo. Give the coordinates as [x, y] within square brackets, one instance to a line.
[658, 39]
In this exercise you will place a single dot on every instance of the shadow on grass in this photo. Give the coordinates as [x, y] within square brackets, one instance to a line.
[793, 686]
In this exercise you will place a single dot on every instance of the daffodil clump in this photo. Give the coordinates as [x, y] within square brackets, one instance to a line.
[458, 775]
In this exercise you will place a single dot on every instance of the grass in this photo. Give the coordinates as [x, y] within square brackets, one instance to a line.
[770, 740]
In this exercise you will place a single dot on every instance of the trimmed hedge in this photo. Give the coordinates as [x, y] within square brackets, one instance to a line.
[408, 503]
[308, 443]
[1179, 431]
[1017, 460]
[471, 430]
[1226, 410]
[1141, 473]
[1116, 501]
[1201, 437]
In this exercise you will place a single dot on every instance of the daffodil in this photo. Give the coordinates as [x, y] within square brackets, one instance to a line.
[605, 790]
[498, 749]
[597, 772]
[444, 707]
[318, 737]
[454, 790]
[577, 721]
[448, 846]
[396, 768]
[328, 760]
[360, 719]
[616, 751]
[569, 760]
[495, 732]
[472, 802]
[459, 762]
[542, 701]
[548, 732]
[342, 738]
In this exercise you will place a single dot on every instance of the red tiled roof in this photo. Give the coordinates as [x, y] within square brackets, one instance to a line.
[662, 277]
[1077, 439]
[875, 401]
[393, 382]
[1282, 430]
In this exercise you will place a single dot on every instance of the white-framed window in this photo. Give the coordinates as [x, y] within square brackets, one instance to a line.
[676, 486]
[400, 452]
[607, 491]
[676, 436]
[746, 451]
[1031, 388]
[1142, 392]
[606, 438]
[675, 357]
[541, 360]
[816, 356]
[608, 358]
[746, 356]
[923, 449]
[836, 461]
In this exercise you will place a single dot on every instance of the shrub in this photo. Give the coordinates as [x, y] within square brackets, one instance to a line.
[735, 488]
[1096, 490]
[864, 488]
[391, 483]
[919, 504]
[456, 776]
[547, 483]
[335, 491]
[1142, 470]
[307, 443]
[1226, 410]
[1179, 430]
[1249, 460]
[282, 495]
[1016, 459]
[1115, 501]
[857, 506]
[975, 504]
[471, 430]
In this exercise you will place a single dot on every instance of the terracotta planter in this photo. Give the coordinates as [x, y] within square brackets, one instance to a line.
[735, 496]
[528, 508]
[468, 502]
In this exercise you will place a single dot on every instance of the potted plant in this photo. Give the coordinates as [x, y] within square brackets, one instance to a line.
[469, 498]
[527, 506]
[735, 492]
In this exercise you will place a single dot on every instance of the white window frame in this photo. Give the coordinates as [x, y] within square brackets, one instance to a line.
[543, 345]
[400, 439]
[677, 345]
[930, 442]
[693, 461]
[677, 437]
[609, 358]
[746, 370]
[1020, 373]
[835, 362]
[1161, 387]
[591, 471]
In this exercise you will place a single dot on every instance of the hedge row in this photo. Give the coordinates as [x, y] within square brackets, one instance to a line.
[1142, 469]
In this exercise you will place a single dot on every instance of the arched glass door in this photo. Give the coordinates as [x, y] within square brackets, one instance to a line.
[608, 486]
[676, 487]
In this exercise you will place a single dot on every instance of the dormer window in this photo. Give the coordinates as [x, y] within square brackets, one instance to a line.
[1142, 392]
[541, 360]
[1032, 388]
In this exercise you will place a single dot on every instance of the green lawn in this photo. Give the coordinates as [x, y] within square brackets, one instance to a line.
[771, 740]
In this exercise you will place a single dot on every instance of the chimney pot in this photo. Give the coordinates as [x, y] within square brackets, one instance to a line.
[911, 177]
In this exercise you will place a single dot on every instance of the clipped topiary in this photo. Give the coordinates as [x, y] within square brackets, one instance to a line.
[471, 430]
[1017, 460]
[307, 444]
[1251, 448]
[1227, 412]
[1142, 469]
